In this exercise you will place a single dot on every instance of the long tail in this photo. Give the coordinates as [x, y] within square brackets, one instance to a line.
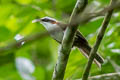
[85, 49]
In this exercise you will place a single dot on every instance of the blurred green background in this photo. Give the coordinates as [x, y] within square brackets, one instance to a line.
[36, 61]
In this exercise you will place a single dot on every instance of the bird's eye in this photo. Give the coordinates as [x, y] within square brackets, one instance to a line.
[45, 20]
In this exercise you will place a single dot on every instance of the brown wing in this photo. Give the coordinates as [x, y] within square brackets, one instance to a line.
[84, 47]
[79, 37]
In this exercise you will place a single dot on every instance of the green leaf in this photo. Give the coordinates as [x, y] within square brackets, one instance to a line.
[4, 33]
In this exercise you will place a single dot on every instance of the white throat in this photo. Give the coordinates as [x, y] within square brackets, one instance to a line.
[56, 34]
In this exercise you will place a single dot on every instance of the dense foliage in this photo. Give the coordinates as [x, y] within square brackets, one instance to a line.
[37, 60]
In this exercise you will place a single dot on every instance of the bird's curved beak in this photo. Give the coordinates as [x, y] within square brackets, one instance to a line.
[36, 20]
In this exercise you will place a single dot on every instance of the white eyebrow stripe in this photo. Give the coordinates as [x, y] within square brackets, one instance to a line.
[49, 18]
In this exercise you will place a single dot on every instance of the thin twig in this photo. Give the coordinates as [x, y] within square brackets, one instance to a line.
[98, 41]
[108, 76]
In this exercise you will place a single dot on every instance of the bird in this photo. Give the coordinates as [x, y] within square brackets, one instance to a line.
[80, 42]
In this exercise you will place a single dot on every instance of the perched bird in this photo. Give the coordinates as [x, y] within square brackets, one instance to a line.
[79, 42]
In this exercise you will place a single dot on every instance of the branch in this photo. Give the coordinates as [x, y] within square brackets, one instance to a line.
[82, 19]
[98, 41]
[107, 76]
[67, 42]
[14, 45]
[110, 76]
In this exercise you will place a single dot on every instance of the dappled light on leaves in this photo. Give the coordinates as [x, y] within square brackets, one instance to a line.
[25, 68]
